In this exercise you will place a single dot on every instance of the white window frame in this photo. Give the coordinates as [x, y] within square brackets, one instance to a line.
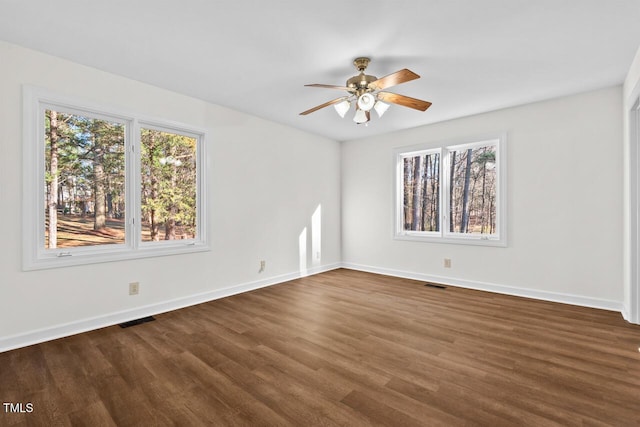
[35, 255]
[499, 238]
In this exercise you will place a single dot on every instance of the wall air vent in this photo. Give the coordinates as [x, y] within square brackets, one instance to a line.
[435, 285]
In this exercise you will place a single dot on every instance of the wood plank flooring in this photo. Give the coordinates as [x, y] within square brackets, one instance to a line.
[340, 348]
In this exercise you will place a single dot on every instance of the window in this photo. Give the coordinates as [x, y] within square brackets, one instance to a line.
[452, 193]
[102, 185]
[168, 190]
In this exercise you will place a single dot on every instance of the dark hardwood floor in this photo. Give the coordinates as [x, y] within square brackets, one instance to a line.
[339, 348]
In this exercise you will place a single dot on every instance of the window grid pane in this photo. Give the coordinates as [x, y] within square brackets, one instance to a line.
[473, 190]
[84, 181]
[421, 198]
[168, 194]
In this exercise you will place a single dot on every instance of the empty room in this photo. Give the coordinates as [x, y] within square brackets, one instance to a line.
[272, 213]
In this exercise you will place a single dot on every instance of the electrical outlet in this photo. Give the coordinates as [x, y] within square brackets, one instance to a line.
[263, 265]
[134, 288]
[447, 263]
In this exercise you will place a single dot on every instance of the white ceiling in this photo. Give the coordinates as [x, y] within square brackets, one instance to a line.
[256, 55]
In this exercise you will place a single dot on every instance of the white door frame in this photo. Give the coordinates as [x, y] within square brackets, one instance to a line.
[634, 211]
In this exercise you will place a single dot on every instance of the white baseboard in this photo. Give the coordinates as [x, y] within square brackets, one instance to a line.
[500, 289]
[84, 325]
[626, 313]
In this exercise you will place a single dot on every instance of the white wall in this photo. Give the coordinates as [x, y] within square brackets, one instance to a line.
[564, 204]
[265, 183]
[631, 92]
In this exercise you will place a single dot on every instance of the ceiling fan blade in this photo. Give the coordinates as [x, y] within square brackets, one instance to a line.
[405, 101]
[326, 104]
[393, 79]
[331, 87]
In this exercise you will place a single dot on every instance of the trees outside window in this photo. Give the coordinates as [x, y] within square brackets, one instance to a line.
[102, 185]
[421, 193]
[168, 177]
[84, 180]
[473, 190]
[452, 193]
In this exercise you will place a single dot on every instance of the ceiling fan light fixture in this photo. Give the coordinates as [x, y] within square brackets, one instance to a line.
[342, 107]
[361, 116]
[380, 107]
[366, 101]
[369, 93]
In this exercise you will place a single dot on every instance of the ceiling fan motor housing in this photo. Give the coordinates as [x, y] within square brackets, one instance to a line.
[361, 82]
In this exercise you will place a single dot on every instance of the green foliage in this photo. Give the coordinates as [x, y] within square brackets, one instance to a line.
[168, 178]
[83, 142]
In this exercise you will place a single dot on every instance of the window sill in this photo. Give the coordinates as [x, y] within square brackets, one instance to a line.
[53, 260]
[466, 240]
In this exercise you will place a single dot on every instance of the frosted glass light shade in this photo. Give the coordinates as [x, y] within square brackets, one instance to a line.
[380, 108]
[342, 107]
[361, 116]
[366, 101]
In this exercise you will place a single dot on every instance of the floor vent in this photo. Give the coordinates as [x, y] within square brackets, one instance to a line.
[137, 321]
[435, 285]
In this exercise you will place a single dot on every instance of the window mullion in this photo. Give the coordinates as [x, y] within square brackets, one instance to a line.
[445, 191]
[133, 186]
[201, 190]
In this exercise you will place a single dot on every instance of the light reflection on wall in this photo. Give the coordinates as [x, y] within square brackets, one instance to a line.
[316, 237]
[315, 251]
[302, 250]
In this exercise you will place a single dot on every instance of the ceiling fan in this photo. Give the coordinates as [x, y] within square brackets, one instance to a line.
[367, 92]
